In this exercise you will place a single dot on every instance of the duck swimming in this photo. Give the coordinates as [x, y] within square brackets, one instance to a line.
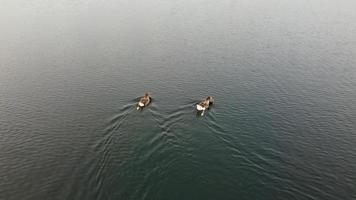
[203, 105]
[144, 101]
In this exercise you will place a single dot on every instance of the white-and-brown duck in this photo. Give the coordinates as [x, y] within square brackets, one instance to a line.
[203, 105]
[144, 101]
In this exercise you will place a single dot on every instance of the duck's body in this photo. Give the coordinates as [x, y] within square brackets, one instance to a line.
[203, 105]
[144, 101]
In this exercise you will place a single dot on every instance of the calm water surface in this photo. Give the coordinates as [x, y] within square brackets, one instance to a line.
[283, 73]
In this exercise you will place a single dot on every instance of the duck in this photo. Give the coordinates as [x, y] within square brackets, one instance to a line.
[203, 105]
[144, 101]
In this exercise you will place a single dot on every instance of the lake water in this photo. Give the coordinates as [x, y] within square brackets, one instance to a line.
[283, 74]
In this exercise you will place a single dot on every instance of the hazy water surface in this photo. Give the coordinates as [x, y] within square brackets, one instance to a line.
[283, 73]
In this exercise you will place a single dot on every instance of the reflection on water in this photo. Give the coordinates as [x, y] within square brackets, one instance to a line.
[282, 73]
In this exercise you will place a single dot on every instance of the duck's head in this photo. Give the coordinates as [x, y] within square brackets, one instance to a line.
[147, 94]
[210, 98]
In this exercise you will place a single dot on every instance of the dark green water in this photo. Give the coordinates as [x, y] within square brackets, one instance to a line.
[283, 73]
